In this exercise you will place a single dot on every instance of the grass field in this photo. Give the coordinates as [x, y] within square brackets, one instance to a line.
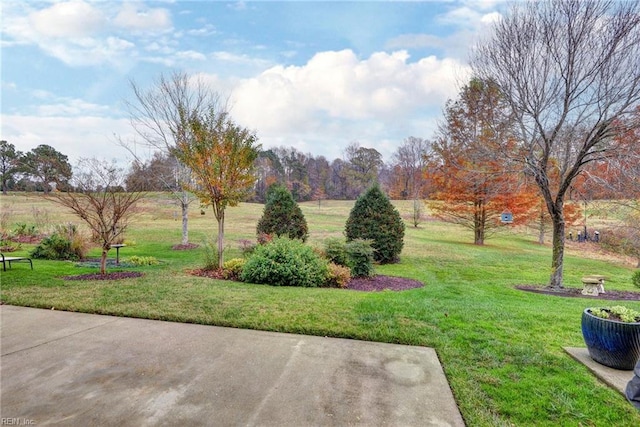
[501, 348]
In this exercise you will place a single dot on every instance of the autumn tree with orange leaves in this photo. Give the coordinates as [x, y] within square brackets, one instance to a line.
[221, 156]
[473, 185]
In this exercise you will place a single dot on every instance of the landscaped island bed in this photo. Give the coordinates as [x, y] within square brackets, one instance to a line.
[500, 347]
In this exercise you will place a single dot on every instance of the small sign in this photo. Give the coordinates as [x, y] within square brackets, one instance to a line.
[506, 217]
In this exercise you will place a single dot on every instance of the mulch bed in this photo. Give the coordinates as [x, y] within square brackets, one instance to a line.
[370, 284]
[577, 293]
[116, 275]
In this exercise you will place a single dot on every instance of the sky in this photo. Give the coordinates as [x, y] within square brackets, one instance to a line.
[316, 76]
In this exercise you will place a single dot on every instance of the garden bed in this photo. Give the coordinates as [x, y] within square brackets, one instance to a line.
[376, 283]
[116, 275]
[577, 293]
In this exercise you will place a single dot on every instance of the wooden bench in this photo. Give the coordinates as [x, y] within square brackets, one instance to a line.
[9, 259]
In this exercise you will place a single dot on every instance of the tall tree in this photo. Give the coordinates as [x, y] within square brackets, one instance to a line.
[9, 163]
[269, 170]
[363, 166]
[221, 156]
[160, 116]
[473, 186]
[318, 171]
[100, 201]
[337, 186]
[570, 70]
[295, 172]
[46, 165]
[155, 174]
[408, 163]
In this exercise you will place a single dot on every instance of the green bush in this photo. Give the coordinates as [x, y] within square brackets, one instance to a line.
[635, 278]
[373, 217]
[338, 276]
[282, 215]
[232, 269]
[285, 262]
[360, 257]
[66, 243]
[335, 251]
[142, 260]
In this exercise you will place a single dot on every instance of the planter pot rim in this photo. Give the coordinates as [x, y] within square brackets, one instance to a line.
[588, 311]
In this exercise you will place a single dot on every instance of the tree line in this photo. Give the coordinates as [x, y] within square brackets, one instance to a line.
[35, 170]
[549, 117]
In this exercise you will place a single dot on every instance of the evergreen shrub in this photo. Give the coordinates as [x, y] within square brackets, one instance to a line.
[360, 258]
[282, 216]
[335, 251]
[285, 262]
[374, 218]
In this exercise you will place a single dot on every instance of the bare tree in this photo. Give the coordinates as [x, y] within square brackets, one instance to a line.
[100, 201]
[411, 159]
[570, 70]
[160, 116]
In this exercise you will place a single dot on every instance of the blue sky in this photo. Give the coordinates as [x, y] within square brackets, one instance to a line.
[313, 75]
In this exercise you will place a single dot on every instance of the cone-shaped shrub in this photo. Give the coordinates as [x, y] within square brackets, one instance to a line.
[374, 218]
[282, 215]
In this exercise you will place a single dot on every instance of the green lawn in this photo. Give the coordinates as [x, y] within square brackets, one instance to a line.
[501, 348]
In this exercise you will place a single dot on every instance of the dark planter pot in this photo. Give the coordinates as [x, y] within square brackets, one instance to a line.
[611, 343]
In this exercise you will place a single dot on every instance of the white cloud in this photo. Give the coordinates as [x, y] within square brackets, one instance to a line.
[72, 107]
[490, 18]
[75, 137]
[207, 30]
[190, 55]
[131, 17]
[68, 20]
[476, 16]
[80, 33]
[338, 97]
[339, 85]
[90, 51]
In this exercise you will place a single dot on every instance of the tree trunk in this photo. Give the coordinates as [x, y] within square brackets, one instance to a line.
[557, 260]
[220, 238]
[479, 222]
[185, 218]
[103, 261]
[541, 230]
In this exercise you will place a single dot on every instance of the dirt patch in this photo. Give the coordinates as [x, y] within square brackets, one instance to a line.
[577, 293]
[381, 283]
[211, 274]
[185, 247]
[116, 275]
